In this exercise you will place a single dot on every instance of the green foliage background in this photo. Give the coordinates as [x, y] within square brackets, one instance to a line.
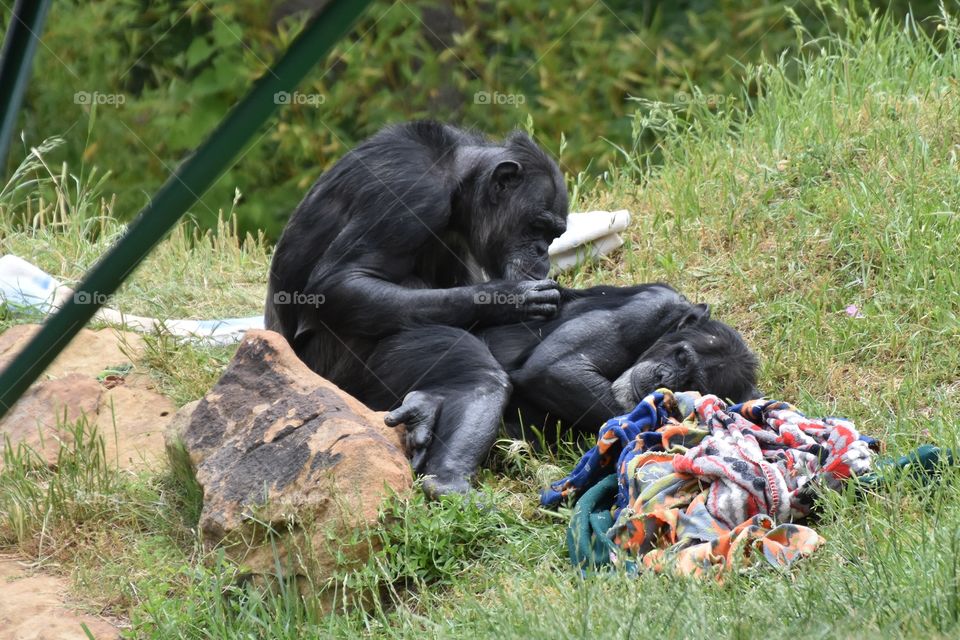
[178, 66]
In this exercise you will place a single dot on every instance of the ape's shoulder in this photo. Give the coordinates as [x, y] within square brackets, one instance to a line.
[431, 134]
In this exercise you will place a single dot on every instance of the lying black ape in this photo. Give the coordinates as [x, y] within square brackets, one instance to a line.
[611, 346]
[382, 272]
[606, 349]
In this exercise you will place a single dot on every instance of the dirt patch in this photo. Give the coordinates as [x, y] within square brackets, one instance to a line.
[33, 607]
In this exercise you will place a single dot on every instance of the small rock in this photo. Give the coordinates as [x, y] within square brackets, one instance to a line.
[37, 419]
[131, 417]
[90, 352]
[275, 444]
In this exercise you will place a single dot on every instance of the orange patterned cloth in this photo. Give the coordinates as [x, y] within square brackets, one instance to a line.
[701, 487]
[664, 524]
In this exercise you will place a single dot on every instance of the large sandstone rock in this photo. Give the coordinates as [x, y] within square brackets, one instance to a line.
[128, 413]
[274, 445]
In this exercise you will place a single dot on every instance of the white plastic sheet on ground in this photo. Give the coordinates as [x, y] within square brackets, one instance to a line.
[26, 287]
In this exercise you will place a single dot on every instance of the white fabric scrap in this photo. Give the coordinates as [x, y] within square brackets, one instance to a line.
[589, 235]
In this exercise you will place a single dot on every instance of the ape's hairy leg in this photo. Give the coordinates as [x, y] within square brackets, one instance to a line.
[449, 391]
[464, 436]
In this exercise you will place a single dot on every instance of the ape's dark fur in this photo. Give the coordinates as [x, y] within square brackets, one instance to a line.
[609, 347]
[412, 276]
[419, 235]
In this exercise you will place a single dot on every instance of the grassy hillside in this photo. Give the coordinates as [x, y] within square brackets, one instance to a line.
[840, 187]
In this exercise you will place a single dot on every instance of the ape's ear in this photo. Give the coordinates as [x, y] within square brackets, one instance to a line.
[506, 174]
[698, 313]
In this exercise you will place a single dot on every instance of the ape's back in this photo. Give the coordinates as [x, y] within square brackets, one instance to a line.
[352, 209]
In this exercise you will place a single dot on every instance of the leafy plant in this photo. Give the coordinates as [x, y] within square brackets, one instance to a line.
[150, 79]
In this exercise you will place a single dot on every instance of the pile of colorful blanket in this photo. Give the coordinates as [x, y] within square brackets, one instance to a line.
[686, 484]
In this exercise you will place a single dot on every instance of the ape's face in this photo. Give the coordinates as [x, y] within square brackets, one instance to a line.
[521, 211]
[531, 211]
[539, 216]
[708, 357]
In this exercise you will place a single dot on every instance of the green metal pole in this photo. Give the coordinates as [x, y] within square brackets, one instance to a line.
[19, 45]
[181, 190]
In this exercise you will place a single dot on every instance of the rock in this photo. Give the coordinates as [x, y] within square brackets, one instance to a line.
[130, 416]
[39, 417]
[173, 435]
[132, 422]
[275, 445]
[89, 353]
[31, 608]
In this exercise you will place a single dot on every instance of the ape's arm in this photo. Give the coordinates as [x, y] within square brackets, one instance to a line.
[563, 374]
[370, 281]
[570, 389]
[371, 305]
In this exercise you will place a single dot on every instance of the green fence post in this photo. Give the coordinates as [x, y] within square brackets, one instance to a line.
[181, 190]
[19, 45]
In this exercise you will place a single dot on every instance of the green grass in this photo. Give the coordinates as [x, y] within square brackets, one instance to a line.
[840, 186]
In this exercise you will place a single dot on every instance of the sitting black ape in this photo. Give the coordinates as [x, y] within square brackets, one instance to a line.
[414, 238]
[608, 348]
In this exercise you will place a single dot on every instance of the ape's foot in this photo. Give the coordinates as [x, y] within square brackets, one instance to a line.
[433, 487]
[418, 414]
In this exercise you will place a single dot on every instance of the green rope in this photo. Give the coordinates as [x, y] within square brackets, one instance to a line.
[181, 190]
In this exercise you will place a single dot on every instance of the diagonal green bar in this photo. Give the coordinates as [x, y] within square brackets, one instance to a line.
[181, 190]
[19, 45]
